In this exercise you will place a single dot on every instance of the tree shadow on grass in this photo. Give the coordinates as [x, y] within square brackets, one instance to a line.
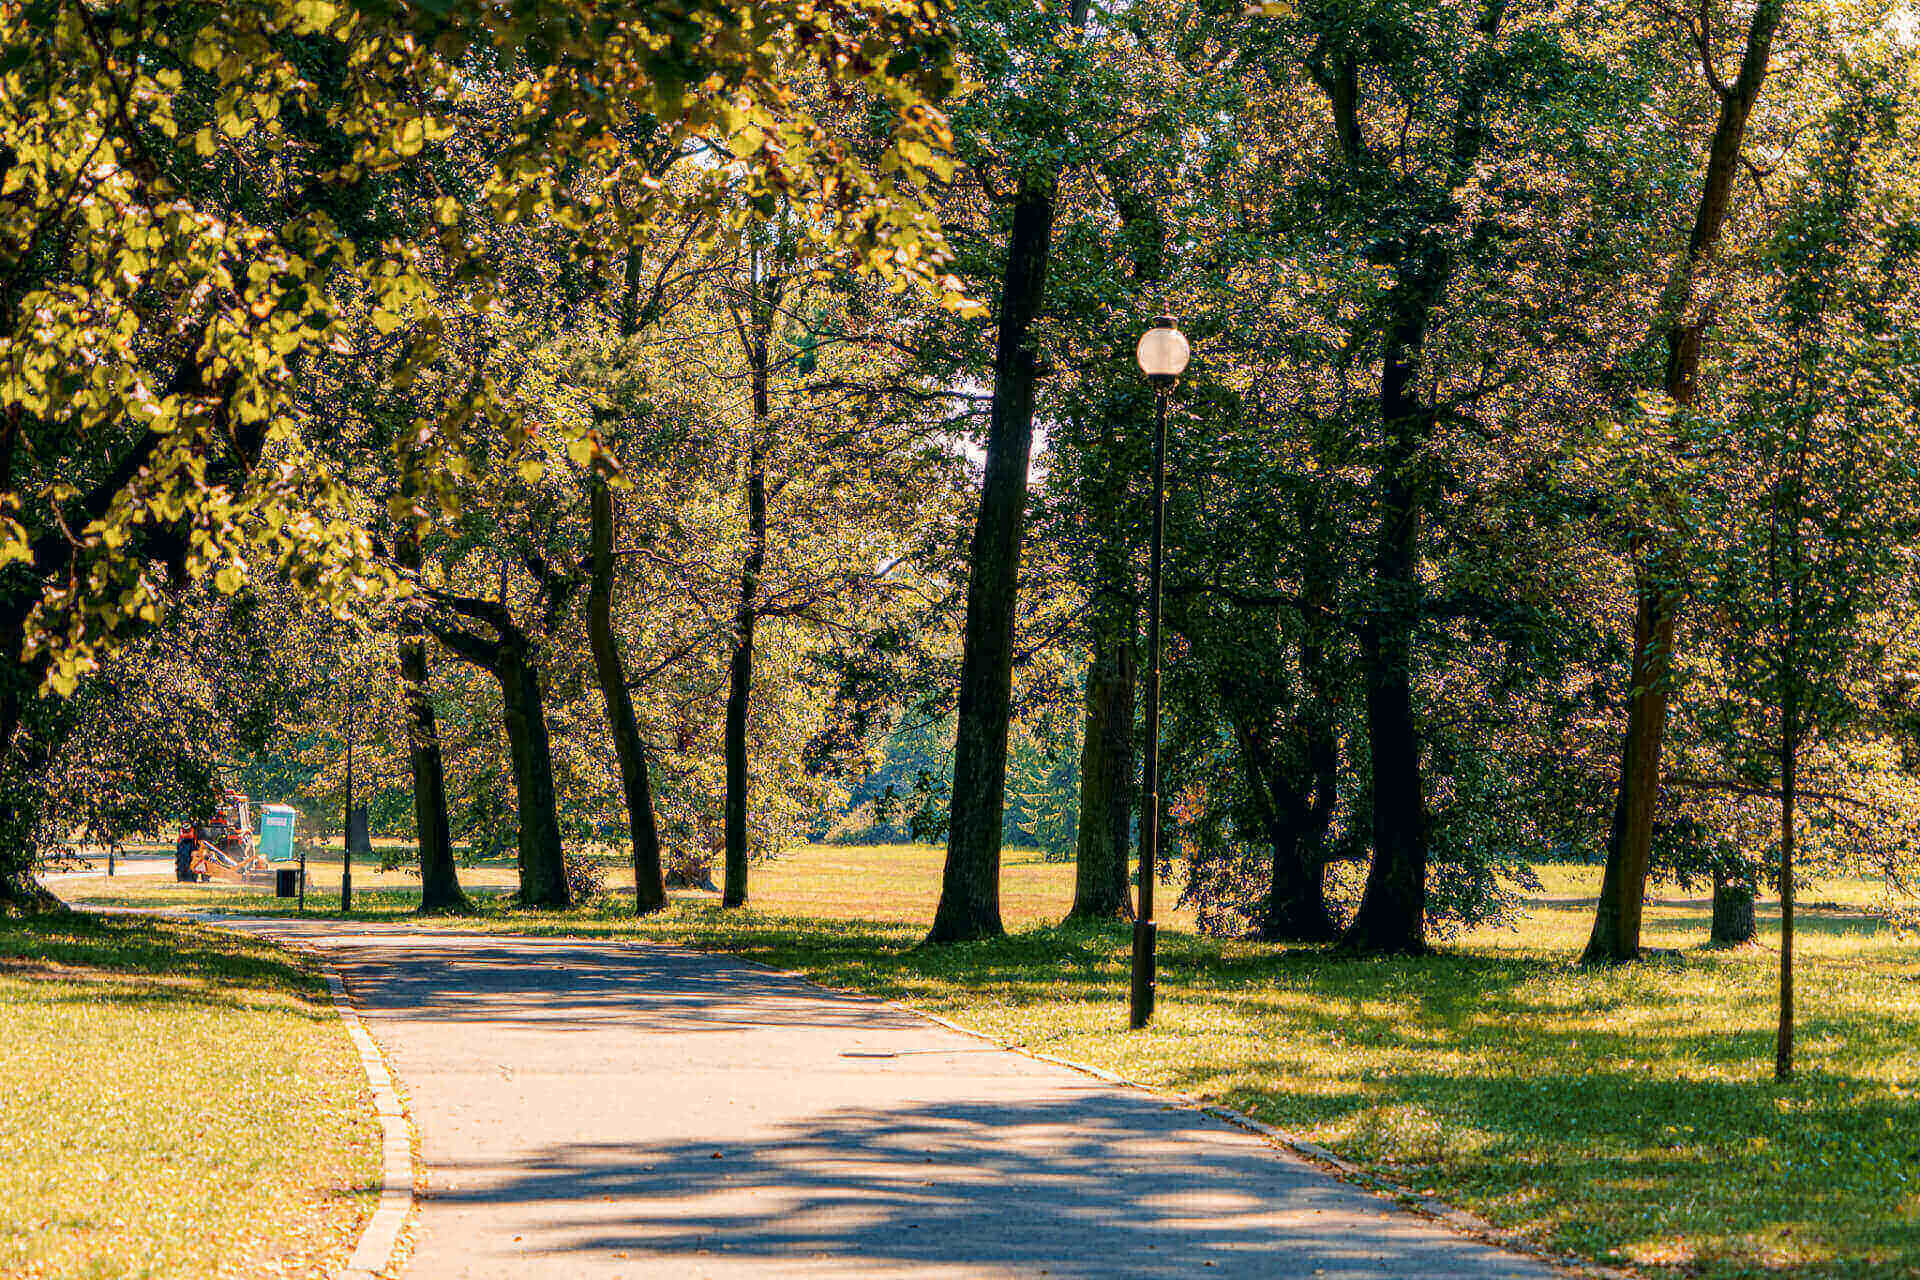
[149, 946]
[1586, 1105]
[1717, 1170]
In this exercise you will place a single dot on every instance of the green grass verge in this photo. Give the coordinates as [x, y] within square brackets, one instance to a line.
[1624, 1115]
[175, 1101]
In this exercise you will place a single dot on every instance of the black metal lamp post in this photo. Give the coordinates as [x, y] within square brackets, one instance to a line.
[346, 830]
[1162, 353]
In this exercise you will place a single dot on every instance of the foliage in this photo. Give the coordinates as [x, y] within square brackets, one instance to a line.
[217, 219]
[586, 875]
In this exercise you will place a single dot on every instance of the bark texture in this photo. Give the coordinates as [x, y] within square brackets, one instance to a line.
[543, 879]
[1104, 837]
[440, 891]
[1392, 914]
[1295, 800]
[512, 659]
[1616, 925]
[970, 884]
[754, 338]
[649, 888]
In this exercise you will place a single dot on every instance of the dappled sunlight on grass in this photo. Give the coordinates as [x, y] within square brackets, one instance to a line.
[1624, 1114]
[175, 1101]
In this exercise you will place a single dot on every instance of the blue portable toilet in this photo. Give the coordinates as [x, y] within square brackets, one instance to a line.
[276, 832]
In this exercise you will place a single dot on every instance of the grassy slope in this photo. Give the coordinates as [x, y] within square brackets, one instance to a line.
[1625, 1115]
[174, 1102]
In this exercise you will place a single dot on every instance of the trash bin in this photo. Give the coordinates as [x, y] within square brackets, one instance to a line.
[286, 881]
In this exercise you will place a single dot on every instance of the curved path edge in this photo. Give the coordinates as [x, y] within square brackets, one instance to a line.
[1460, 1220]
[380, 1240]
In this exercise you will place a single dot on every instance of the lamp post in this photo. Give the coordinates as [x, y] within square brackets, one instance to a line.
[1162, 353]
[346, 830]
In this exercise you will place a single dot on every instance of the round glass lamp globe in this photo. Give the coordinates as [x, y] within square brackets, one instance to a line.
[1162, 351]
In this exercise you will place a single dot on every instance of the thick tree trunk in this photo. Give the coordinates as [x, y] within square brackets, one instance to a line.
[1100, 888]
[1392, 915]
[649, 888]
[1623, 886]
[440, 891]
[740, 669]
[1296, 906]
[1295, 811]
[543, 877]
[1616, 926]
[1733, 918]
[1296, 909]
[970, 885]
[1106, 782]
[20, 891]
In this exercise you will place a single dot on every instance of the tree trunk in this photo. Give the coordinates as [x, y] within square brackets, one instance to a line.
[1789, 669]
[1106, 758]
[970, 884]
[740, 669]
[543, 877]
[1106, 783]
[1392, 915]
[440, 891]
[1616, 926]
[1295, 812]
[1733, 919]
[1623, 886]
[1296, 907]
[20, 891]
[1789, 751]
[649, 889]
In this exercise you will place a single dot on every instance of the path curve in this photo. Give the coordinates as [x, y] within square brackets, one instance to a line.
[592, 1109]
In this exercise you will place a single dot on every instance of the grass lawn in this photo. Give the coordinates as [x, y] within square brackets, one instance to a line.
[175, 1101]
[1628, 1115]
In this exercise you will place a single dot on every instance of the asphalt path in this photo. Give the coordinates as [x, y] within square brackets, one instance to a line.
[597, 1109]
[138, 865]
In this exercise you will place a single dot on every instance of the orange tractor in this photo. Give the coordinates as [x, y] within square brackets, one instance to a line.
[222, 845]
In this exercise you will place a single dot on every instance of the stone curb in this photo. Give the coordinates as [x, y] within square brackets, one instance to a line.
[1467, 1224]
[380, 1240]
[380, 1247]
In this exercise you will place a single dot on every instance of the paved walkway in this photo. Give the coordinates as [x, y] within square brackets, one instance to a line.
[590, 1109]
[141, 864]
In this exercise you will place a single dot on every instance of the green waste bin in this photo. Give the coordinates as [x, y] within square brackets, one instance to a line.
[286, 881]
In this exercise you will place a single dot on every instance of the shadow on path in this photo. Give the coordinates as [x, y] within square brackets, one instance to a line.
[1098, 1183]
[598, 1109]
